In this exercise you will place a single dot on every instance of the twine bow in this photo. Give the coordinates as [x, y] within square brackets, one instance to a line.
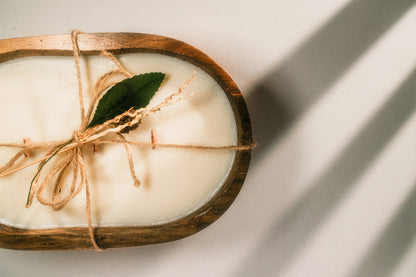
[72, 153]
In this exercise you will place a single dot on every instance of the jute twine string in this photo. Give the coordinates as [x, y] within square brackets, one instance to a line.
[71, 152]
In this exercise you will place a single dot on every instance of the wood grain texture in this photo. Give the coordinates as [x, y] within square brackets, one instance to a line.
[110, 237]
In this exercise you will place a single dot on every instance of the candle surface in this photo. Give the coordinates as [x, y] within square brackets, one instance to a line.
[39, 100]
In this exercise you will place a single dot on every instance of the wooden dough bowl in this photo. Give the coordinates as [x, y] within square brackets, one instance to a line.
[110, 237]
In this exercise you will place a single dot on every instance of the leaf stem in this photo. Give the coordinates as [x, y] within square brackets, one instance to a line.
[40, 169]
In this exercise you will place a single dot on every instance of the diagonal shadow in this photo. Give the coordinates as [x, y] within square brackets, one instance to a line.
[299, 80]
[393, 243]
[293, 230]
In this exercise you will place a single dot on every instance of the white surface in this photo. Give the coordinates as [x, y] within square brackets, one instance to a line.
[169, 189]
[331, 87]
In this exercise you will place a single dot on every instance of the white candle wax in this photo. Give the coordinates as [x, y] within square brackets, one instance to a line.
[39, 100]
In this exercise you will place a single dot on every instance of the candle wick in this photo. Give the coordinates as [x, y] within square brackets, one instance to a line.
[154, 139]
[27, 152]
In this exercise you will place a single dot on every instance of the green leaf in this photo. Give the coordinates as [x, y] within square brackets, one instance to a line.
[134, 92]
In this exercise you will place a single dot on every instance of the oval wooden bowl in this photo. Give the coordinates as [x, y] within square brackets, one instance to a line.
[109, 237]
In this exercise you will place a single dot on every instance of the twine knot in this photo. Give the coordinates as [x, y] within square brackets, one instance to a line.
[76, 137]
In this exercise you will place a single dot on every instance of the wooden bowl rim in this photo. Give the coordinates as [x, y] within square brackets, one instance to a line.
[116, 236]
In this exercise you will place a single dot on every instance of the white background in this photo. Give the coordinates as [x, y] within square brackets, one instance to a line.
[331, 88]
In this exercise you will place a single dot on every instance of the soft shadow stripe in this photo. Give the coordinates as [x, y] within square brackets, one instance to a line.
[289, 90]
[293, 230]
